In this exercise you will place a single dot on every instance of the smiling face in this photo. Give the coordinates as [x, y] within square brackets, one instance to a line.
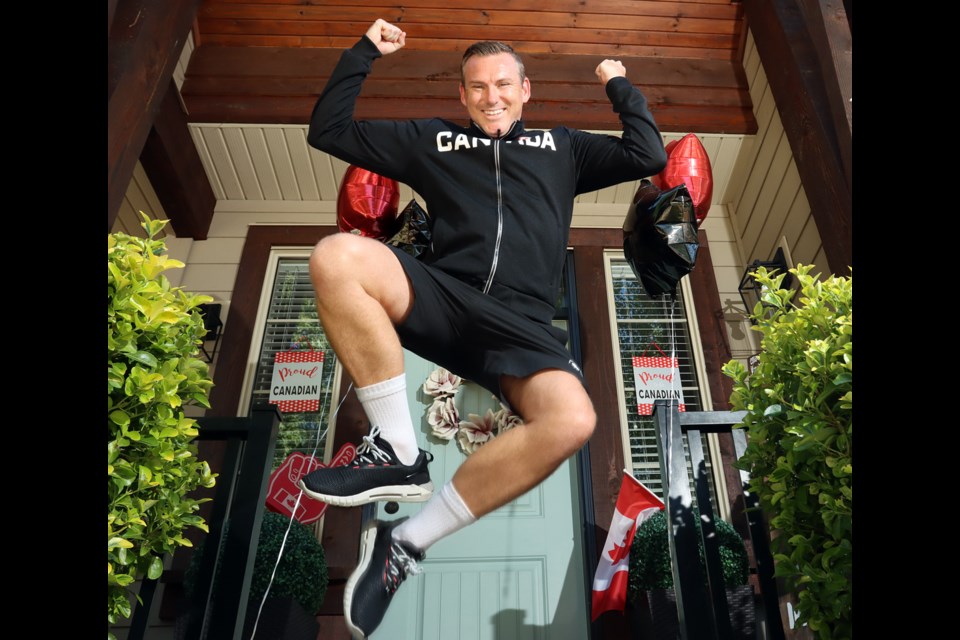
[493, 92]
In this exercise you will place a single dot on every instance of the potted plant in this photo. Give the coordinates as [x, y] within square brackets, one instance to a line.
[650, 590]
[799, 420]
[153, 335]
[299, 584]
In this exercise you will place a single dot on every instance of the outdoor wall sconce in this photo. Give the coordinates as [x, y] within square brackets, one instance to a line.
[751, 290]
[213, 325]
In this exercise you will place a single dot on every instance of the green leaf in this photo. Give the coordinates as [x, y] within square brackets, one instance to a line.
[124, 580]
[773, 410]
[156, 568]
[119, 417]
[144, 358]
[118, 543]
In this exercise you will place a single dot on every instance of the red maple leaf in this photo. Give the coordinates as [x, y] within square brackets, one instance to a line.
[619, 552]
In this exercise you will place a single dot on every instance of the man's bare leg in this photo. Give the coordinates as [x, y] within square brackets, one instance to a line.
[558, 419]
[362, 292]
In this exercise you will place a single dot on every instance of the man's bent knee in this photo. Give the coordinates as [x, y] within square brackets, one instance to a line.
[556, 399]
[345, 263]
[335, 258]
[579, 425]
[573, 412]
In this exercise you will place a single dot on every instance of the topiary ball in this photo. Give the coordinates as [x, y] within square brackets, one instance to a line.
[302, 573]
[650, 566]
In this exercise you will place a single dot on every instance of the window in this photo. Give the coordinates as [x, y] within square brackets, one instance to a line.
[647, 326]
[289, 322]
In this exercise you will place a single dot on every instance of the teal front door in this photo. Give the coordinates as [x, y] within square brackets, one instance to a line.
[515, 574]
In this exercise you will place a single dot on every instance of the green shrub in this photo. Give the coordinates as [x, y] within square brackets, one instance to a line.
[650, 566]
[799, 404]
[302, 573]
[153, 334]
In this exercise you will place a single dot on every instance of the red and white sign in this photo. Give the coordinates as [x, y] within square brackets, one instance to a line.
[282, 490]
[635, 503]
[295, 386]
[656, 378]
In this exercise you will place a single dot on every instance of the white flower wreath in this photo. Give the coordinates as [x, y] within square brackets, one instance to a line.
[444, 418]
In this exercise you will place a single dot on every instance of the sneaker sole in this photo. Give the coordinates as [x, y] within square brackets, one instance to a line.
[398, 493]
[367, 540]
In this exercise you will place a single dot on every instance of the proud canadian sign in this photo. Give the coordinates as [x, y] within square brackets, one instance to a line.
[295, 386]
[656, 378]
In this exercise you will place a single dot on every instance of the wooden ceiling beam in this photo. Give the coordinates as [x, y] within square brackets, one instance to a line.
[144, 44]
[537, 115]
[274, 66]
[279, 86]
[830, 32]
[794, 58]
[173, 165]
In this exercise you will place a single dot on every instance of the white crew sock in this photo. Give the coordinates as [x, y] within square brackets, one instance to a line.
[444, 514]
[386, 406]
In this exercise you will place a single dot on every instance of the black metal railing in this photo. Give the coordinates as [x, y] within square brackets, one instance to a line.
[702, 609]
[239, 497]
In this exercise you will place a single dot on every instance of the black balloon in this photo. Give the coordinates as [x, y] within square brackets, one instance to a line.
[660, 237]
[414, 234]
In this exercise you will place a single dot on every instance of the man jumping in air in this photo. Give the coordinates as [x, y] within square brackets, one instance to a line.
[479, 301]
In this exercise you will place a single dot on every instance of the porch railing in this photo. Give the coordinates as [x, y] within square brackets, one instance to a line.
[702, 609]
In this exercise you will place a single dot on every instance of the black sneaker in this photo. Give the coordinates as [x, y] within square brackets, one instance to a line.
[384, 565]
[375, 474]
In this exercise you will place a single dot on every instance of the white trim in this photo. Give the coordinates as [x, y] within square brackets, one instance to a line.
[256, 335]
[618, 365]
[696, 345]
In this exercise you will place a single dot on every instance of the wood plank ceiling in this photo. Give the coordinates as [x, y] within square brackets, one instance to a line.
[265, 61]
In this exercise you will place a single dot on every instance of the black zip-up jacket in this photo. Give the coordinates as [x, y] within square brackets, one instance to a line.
[500, 208]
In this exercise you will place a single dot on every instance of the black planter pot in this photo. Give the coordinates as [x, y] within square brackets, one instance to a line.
[655, 616]
[281, 619]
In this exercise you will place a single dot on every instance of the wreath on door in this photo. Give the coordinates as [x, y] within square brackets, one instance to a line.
[443, 416]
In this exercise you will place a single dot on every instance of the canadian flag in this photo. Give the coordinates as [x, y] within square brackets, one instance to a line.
[635, 503]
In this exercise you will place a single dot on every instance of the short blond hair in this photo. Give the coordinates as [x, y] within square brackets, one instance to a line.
[490, 48]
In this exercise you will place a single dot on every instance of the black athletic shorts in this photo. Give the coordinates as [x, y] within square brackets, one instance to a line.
[475, 335]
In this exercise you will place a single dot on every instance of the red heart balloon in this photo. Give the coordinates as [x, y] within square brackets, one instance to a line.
[368, 204]
[688, 163]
